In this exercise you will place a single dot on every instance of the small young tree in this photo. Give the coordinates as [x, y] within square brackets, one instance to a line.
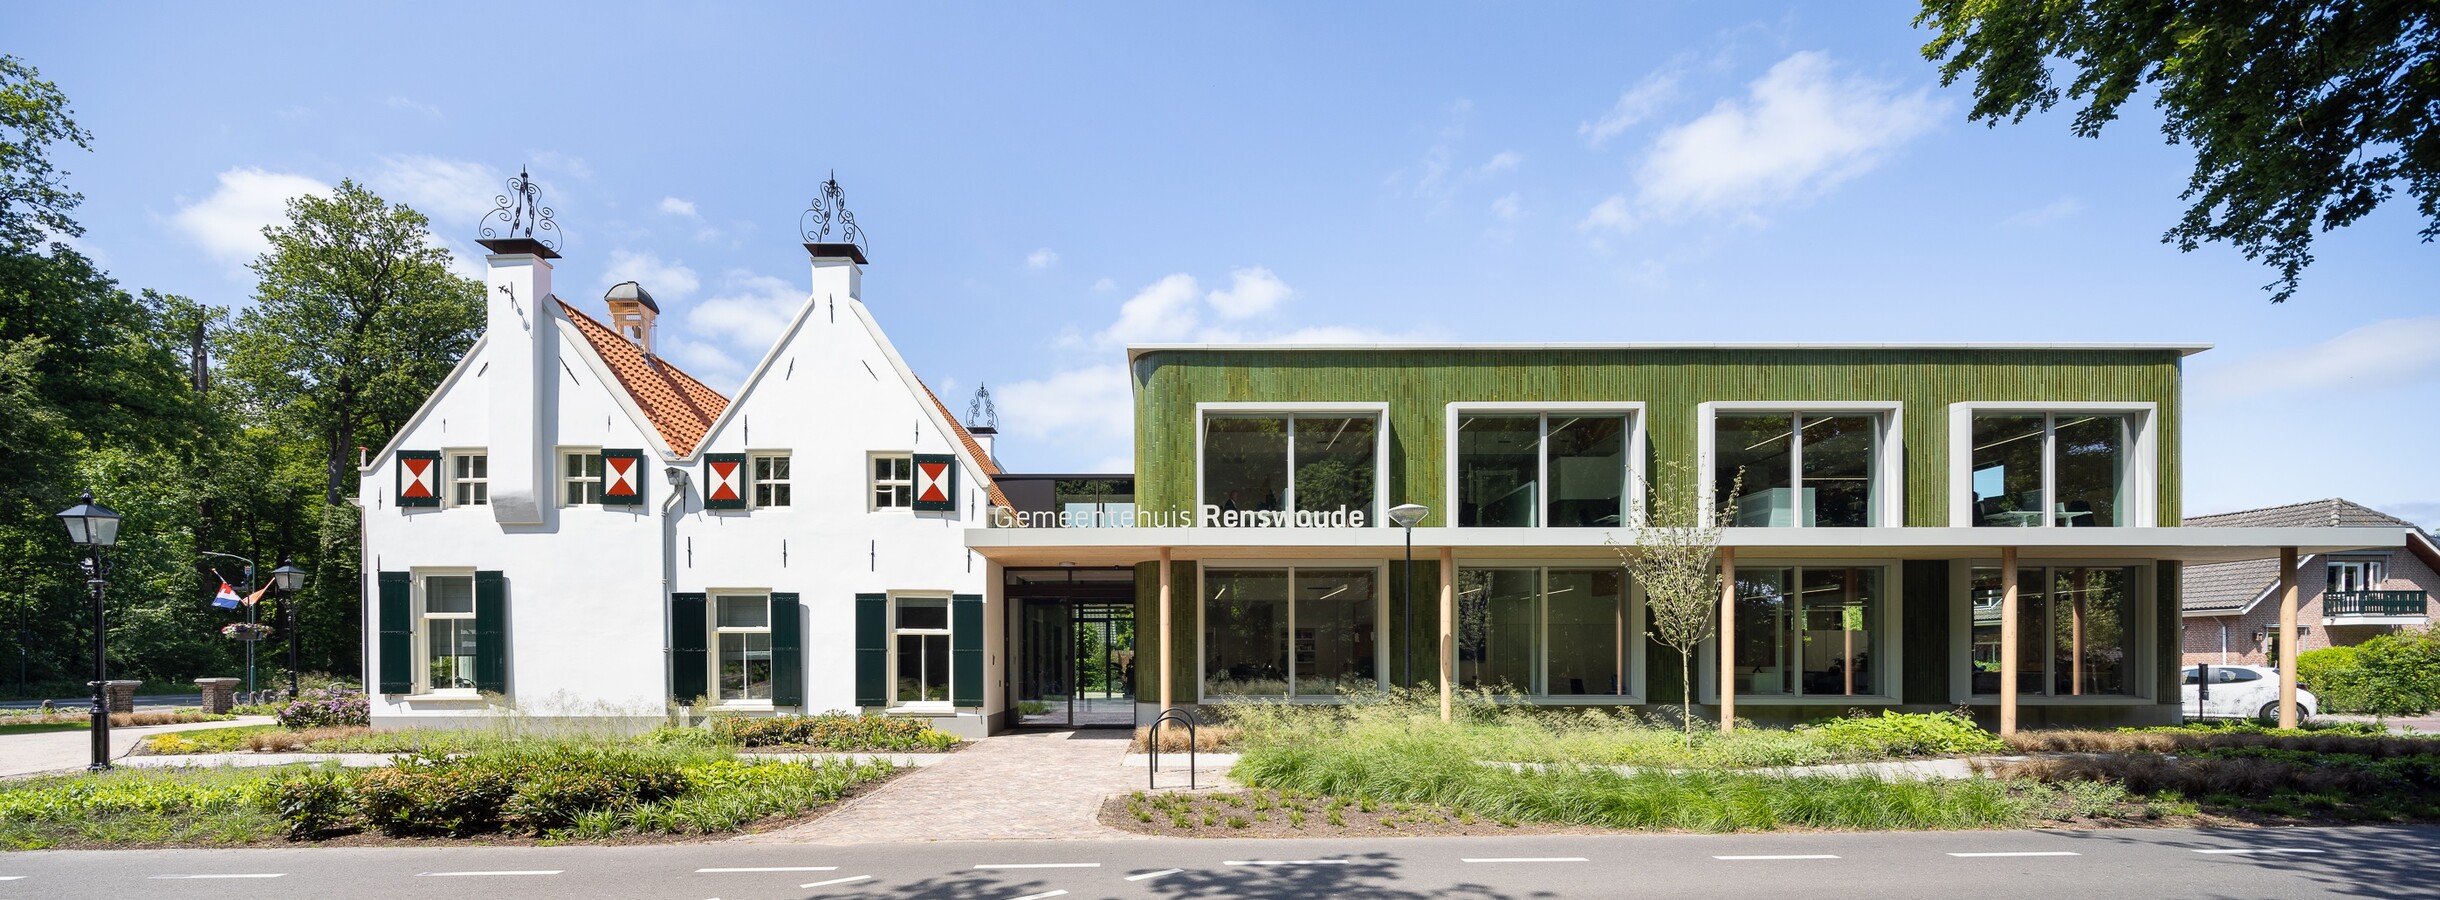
[1671, 559]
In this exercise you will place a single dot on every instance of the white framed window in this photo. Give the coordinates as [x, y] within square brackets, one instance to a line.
[770, 478]
[1546, 464]
[1804, 464]
[580, 474]
[444, 622]
[1812, 633]
[919, 650]
[1305, 630]
[893, 482]
[741, 661]
[2354, 575]
[469, 474]
[2065, 465]
[1303, 464]
[2085, 631]
[1555, 632]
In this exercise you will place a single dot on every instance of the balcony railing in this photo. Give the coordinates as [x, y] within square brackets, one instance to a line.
[2374, 603]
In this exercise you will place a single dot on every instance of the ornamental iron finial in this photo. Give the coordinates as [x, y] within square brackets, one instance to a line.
[979, 412]
[830, 209]
[520, 214]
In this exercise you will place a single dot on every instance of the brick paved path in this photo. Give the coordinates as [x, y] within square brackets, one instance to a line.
[1026, 786]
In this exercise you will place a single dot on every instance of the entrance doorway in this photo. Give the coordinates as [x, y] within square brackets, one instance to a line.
[1073, 638]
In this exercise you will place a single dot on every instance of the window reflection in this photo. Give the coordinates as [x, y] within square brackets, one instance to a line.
[1798, 469]
[1807, 631]
[2073, 630]
[2021, 460]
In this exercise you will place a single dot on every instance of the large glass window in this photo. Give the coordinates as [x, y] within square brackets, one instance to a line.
[1542, 632]
[922, 634]
[1528, 469]
[1807, 631]
[2070, 470]
[449, 637]
[1303, 632]
[742, 623]
[1318, 464]
[1798, 469]
[2075, 630]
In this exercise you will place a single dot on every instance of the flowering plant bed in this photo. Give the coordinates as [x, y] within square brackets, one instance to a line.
[246, 631]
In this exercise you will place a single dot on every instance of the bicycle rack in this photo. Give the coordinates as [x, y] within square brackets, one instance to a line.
[1181, 715]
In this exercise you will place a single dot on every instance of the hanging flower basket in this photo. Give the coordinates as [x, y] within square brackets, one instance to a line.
[246, 631]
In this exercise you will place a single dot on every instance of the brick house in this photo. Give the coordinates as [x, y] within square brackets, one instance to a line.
[2342, 598]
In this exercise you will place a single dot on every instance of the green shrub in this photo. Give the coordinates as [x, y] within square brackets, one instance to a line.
[2389, 675]
[429, 794]
[833, 731]
[535, 789]
[316, 803]
[1893, 734]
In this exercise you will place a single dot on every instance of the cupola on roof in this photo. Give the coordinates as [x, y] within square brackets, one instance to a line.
[628, 290]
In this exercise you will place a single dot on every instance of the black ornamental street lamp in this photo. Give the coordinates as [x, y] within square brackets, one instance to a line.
[93, 527]
[1405, 515]
[288, 579]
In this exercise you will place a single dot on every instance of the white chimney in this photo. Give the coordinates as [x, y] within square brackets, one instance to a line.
[521, 354]
[838, 272]
[984, 436]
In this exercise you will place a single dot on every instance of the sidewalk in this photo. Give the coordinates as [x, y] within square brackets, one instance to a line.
[58, 751]
[1032, 786]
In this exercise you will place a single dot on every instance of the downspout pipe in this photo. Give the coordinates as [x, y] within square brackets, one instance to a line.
[669, 561]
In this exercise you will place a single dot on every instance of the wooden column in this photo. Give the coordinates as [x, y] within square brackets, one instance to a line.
[2075, 680]
[1169, 662]
[2007, 640]
[2287, 637]
[1728, 639]
[1846, 663]
[1448, 633]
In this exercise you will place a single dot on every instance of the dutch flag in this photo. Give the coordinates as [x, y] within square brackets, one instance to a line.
[227, 598]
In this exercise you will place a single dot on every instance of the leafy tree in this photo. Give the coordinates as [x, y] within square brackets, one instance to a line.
[33, 116]
[2304, 116]
[1673, 559]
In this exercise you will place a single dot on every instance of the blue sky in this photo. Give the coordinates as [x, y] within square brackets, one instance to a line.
[1043, 184]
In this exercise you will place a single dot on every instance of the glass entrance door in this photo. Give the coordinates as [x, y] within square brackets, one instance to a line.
[1075, 663]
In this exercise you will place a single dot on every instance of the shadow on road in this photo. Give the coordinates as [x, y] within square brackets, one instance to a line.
[2353, 862]
[1373, 875]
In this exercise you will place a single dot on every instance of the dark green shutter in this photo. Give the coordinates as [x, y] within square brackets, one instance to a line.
[713, 488]
[966, 649]
[787, 651]
[397, 633]
[634, 497]
[943, 496]
[490, 633]
[424, 492]
[872, 649]
[690, 660]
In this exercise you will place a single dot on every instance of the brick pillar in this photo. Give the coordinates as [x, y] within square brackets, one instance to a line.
[123, 696]
[219, 694]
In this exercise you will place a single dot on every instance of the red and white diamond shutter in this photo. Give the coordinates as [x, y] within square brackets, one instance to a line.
[622, 478]
[935, 482]
[419, 478]
[724, 481]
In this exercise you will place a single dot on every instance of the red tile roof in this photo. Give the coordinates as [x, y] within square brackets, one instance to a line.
[680, 407]
[974, 448]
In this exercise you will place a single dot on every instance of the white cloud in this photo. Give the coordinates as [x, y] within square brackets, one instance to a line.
[409, 105]
[667, 280]
[454, 194]
[1105, 284]
[1251, 292]
[677, 207]
[229, 222]
[1801, 130]
[1608, 215]
[2387, 354]
[1093, 404]
[1635, 105]
[1508, 208]
[1041, 259]
[1503, 161]
[1165, 311]
[2045, 214]
[724, 334]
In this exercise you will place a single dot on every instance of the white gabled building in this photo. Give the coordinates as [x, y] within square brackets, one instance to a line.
[573, 526]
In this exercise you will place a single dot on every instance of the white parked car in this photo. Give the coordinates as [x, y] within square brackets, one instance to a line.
[2239, 692]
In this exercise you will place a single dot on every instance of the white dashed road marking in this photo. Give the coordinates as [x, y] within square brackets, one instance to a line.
[255, 875]
[1042, 895]
[12, 877]
[1037, 865]
[1784, 856]
[772, 869]
[2233, 850]
[491, 872]
[1152, 875]
[2017, 853]
[1284, 862]
[833, 881]
[1521, 859]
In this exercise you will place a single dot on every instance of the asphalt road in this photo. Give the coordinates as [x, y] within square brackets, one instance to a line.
[2088, 865]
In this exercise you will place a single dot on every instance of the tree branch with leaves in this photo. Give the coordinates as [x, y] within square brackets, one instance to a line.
[1673, 560]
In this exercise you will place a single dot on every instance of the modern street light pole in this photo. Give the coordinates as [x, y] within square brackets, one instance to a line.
[95, 527]
[289, 579]
[1406, 515]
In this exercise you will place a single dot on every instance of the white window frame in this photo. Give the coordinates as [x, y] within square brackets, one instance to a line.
[423, 629]
[1381, 620]
[2375, 571]
[1887, 641]
[451, 481]
[568, 477]
[873, 482]
[2143, 652]
[2143, 452]
[1888, 458]
[1633, 514]
[1377, 518]
[1633, 637]
[711, 611]
[948, 605]
[754, 480]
